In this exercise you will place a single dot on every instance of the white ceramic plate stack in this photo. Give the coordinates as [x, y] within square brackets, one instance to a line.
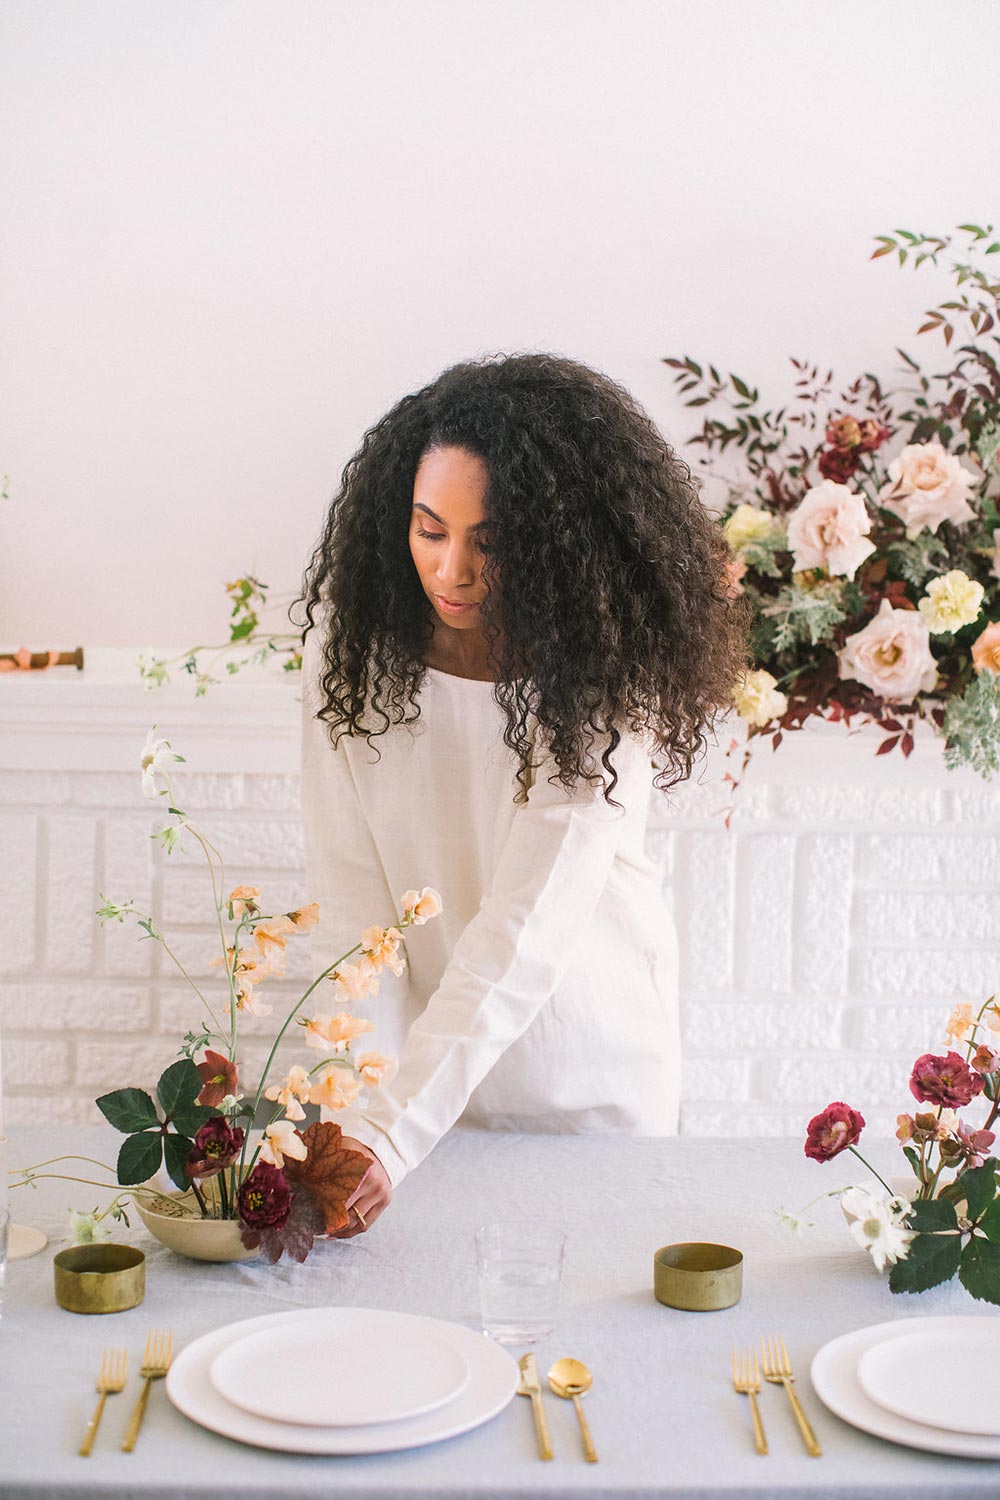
[924, 1382]
[342, 1380]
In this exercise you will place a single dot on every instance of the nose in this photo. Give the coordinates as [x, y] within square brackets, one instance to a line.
[459, 567]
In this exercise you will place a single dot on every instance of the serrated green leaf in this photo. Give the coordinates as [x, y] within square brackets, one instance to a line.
[979, 1271]
[140, 1157]
[979, 1187]
[179, 1087]
[191, 1117]
[990, 1221]
[931, 1259]
[176, 1150]
[932, 1215]
[128, 1109]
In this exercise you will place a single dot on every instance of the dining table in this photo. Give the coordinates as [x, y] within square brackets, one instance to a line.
[662, 1409]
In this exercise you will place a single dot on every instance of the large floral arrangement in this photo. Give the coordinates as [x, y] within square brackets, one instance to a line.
[284, 1185]
[950, 1222]
[863, 525]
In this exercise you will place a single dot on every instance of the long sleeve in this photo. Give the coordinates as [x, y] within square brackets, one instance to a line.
[509, 958]
[342, 866]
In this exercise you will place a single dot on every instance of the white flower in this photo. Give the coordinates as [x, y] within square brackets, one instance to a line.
[951, 601]
[155, 755]
[891, 655]
[281, 1139]
[829, 529]
[876, 1224]
[927, 486]
[87, 1229]
[757, 699]
[795, 1223]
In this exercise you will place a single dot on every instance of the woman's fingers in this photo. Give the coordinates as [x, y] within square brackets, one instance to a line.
[354, 1225]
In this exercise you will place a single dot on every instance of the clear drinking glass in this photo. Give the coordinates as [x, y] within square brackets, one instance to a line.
[4, 1234]
[520, 1268]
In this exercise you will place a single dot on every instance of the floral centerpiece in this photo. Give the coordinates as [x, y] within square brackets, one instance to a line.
[284, 1186]
[864, 528]
[950, 1222]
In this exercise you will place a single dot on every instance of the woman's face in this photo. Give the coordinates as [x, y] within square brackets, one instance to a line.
[445, 523]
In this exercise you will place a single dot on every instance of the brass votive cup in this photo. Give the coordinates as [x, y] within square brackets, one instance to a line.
[698, 1277]
[99, 1278]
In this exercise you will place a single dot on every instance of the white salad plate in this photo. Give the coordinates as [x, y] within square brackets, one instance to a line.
[492, 1383]
[349, 1367]
[904, 1376]
[835, 1378]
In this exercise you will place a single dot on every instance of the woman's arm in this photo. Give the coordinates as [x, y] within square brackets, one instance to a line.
[508, 960]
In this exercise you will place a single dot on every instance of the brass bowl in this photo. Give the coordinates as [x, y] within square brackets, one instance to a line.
[99, 1278]
[698, 1277]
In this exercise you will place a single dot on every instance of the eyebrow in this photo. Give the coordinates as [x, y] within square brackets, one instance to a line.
[419, 505]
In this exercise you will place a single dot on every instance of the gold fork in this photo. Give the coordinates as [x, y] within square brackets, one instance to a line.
[155, 1364]
[746, 1382]
[778, 1370]
[110, 1380]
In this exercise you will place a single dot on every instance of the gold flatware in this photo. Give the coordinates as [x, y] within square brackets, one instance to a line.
[746, 1382]
[155, 1364]
[110, 1380]
[571, 1380]
[778, 1370]
[531, 1386]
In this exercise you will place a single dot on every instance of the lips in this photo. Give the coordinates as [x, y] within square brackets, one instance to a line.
[456, 603]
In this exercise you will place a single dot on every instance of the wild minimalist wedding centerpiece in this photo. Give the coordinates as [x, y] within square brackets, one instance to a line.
[275, 1189]
[950, 1221]
[864, 527]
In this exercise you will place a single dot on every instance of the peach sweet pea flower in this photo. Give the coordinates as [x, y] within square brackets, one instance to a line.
[891, 655]
[293, 1092]
[304, 917]
[334, 1033]
[355, 981]
[380, 947]
[986, 649]
[337, 1088]
[420, 906]
[927, 486]
[280, 1140]
[272, 944]
[829, 529]
[959, 1023]
[375, 1069]
[244, 898]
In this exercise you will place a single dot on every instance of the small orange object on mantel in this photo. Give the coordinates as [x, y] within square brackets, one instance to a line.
[38, 661]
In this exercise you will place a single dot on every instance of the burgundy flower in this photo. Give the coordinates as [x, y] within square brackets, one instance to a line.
[839, 464]
[265, 1199]
[975, 1143]
[873, 435]
[832, 1131]
[985, 1060]
[219, 1077]
[216, 1145]
[944, 1080]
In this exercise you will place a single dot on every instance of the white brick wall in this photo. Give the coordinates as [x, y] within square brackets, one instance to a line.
[823, 936]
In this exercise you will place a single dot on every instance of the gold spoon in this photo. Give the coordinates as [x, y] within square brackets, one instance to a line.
[571, 1379]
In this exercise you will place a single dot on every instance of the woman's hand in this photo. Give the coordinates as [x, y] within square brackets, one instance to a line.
[371, 1196]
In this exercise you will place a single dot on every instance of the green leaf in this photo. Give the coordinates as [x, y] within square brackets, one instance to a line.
[913, 1157]
[128, 1109]
[191, 1117]
[932, 1258]
[990, 1221]
[140, 1157]
[979, 1271]
[176, 1150]
[929, 1215]
[979, 1186]
[179, 1087]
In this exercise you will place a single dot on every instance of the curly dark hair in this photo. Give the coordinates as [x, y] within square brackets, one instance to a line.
[607, 600]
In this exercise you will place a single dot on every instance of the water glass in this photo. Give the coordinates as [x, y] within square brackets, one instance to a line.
[4, 1236]
[520, 1268]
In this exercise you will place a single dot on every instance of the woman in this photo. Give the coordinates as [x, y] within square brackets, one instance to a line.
[517, 602]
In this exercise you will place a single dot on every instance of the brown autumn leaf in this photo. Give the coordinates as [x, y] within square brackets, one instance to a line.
[331, 1171]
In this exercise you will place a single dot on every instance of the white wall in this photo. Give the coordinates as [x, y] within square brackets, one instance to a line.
[238, 230]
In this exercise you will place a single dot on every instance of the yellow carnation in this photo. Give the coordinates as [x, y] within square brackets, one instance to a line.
[951, 601]
[757, 700]
[748, 523]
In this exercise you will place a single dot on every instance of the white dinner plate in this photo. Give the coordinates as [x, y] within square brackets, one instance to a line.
[350, 1367]
[904, 1376]
[493, 1381]
[834, 1373]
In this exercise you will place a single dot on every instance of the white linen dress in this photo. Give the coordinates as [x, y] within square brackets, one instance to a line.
[544, 995]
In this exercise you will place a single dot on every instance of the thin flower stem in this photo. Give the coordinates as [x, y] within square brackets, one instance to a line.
[855, 1152]
[21, 1171]
[204, 999]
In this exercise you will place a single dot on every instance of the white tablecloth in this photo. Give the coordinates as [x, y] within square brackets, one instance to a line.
[663, 1413]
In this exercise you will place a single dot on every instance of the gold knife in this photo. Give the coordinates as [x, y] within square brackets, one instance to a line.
[530, 1386]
